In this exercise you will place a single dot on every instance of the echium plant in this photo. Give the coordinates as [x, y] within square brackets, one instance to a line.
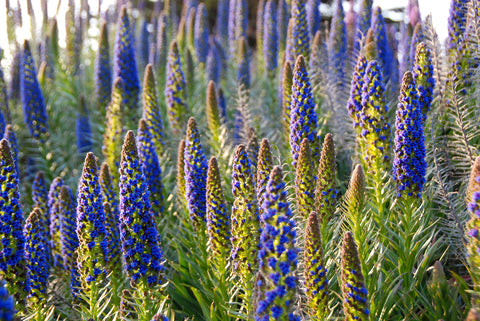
[218, 220]
[110, 204]
[245, 220]
[315, 274]
[201, 34]
[264, 167]
[457, 21]
[354, 103]
[337, 46]
[363, 23]
[140, 240]
[379, 29]
[12, 262]
[40, 197]
[103, 73]
[150, 167]
[68, 225]
[375, 134]
[326, 193]
[277, 255]
[314, 17]
[213, 112]
[33, 103]
[180, 177]
[4, 107]
[286, 96]
[10, 136]
[112, 139]
[303, 118]
[409, 165]
[243, 64]
[125, 64]
[36, 258]
[417, 38]
[423, 75]
[213, 68]
[91, 232]
[305, 181]
[298, 42]
[83, 128]
[175, 91]
[151, 110]
[222, 22]
[473, 227]
[55, 219]
[282, 25]
[195, 176]
[270, 38]
[252, 150]
[355, 295]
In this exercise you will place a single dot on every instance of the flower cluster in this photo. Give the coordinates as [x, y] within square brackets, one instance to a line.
[305, 181]
[180, 178]
[34, 109]
[326, 193]
[195, 174]
[12, 263]
[40, 196]
[175, 90]
[55, 221]
[423, 75]
[10, 136]
[355, 304]
[222, 21]
[91, 232]
[282, 24]
[213, 112]
[298, 38]
[36, 255]
[214, 64]
[124, 62]
[252, 150]
[243, 64]
[355, 194]
[380, 35]
[68, 225]
[218, 221]
[7, 304]
[303, 119]
[354, 103]
[337, 40]
[286, 96]
[83, 129]
[375, 134]
[159, 49]
[363, 22]
[140, 240]
[270, 38]
[201, 33]
[456, 24]
[314, 17]
[103, 73]
[473, 225]
[4, 98]
[151, 110]
[316, 282]
[245, 220]
[277, 255]
[150, 167]
[264, 167]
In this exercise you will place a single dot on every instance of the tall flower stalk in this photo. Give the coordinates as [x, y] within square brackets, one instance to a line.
[151, 110]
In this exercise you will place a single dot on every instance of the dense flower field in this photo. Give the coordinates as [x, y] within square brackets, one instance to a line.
[274, 164]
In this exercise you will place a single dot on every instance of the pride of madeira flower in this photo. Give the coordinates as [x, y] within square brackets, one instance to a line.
[298, 41]
[409, 165]
[140, 240]
[277, 255]
[423, 75]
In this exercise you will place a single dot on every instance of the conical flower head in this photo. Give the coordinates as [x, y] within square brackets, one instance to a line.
[316, 282]
[103, 71]
[201, 33]
[456, 24]
[354, 103]
[36, 255]
[40, 196]
[245, 220]
[423, 76]
[314, 17]
[68, 225]
[380, 35]
[326, 193]
[375, 134]
[264, 167]
[282, 24]
[355, 195]
[150, 167]
[270, 38]
[83, 129]
[222, 21]
[180, 178]
[363, 22]
[417, 38]
[55, 221]
[112, 139]
[355, 295]
[243, 65]
[12, 141]
[409, 165]
[370, 48]
[33, 103]
[124, 62]
[213, 113]
[175, 90]
[303, 118]
[159, 49]
[140, 240]
[218, 220]
[277, 255]
[286, 96]
[4, 98]
[305, 181]
[195, 174]
[151, 110]
[12, 263]
[337, 44]
[91, 232]
[298, 42]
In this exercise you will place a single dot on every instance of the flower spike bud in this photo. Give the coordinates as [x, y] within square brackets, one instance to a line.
[270, 38]
[201, 34]
[299, 40]
[303, 118]
[423, 75]
[195, 175]
[286, 95]
[151, 110]
[12, 141]
[55, 221]
[68, 225]
[355, 195]
[417, 38]
[180, 178]
[316, 282]
[277, 255]
[305, 181]
[83, 129]
[370, 47]
[264, 167]
[213, 113]
[326, 193]
[355, 295]
[140, 240]
[103, 73]
[218, 221]
[354, 103]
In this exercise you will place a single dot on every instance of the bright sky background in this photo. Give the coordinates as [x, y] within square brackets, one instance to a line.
[438, 8]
